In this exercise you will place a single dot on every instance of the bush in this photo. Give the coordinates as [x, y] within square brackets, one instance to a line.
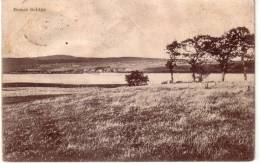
[199, 73]
[136, 78]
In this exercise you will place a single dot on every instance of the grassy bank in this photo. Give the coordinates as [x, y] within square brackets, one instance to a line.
[151, 123]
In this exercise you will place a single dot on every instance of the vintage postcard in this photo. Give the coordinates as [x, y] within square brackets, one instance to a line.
[128, 80]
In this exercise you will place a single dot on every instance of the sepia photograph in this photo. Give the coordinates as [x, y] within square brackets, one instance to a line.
[128, 80]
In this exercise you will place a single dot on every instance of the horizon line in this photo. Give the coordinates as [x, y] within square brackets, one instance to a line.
[84, 57]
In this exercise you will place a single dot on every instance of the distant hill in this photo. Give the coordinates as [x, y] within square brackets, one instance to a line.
[71, 64]
[56, 57]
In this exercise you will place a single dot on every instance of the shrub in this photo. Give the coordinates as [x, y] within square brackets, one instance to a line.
[136, 78]
[199, 73]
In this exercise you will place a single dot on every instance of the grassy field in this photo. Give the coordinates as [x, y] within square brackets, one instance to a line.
[148, 123]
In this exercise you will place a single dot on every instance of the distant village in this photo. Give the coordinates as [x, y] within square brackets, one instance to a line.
[77, 70]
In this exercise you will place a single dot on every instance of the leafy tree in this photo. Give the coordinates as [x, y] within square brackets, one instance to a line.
[173, 51]
[221, 49]
[242, 40]
[194, 51]
[136, 78]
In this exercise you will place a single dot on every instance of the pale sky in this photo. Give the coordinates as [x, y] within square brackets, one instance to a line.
[115, 28]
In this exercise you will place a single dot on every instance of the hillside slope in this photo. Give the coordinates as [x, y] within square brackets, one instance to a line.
[71, 64]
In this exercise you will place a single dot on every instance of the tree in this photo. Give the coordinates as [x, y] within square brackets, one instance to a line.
[136, 78]
[221, 49]
[242, 40]
[173, 51]
[194, 52]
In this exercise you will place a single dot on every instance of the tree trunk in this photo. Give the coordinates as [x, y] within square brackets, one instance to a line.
[200, 79]
[245, 73]
[171, 76]
[223, 75]
[244, 66]
[193, 76]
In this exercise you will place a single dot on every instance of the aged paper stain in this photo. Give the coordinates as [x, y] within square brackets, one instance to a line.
[107, 28]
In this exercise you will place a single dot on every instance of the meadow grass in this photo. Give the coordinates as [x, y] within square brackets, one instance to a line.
[146, 123]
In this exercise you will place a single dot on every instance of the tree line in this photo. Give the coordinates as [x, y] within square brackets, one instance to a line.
[201, 50]
[204, 49]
